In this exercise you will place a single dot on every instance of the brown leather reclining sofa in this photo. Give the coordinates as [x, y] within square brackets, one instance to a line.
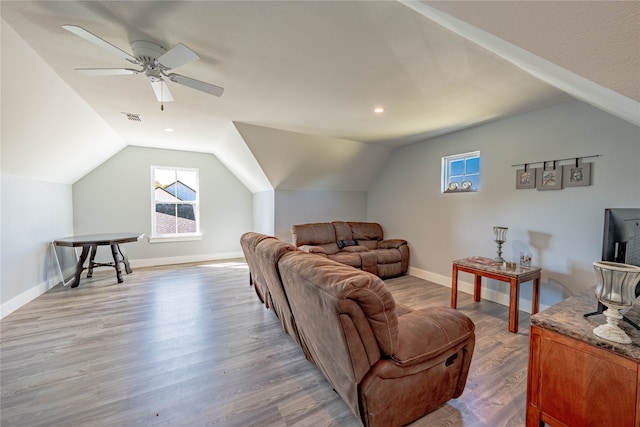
[358, 244]
[390, 363]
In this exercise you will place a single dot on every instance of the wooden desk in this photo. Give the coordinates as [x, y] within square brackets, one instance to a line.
[90, 243]
[485, 267]
[576, 378]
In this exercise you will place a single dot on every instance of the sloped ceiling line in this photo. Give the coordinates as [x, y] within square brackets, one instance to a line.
[561, 78]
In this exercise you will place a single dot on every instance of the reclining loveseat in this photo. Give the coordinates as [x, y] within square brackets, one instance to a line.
[358, 244]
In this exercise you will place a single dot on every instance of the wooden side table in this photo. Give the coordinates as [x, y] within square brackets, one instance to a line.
[485, 267]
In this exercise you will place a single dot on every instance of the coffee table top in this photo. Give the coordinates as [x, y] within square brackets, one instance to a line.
[99, 239]
[492, 266]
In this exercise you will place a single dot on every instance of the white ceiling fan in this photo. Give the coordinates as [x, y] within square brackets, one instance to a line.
[156, 62]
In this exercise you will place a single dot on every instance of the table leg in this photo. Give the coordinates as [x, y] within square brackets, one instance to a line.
[514, 297]
[125, 260]
[94, 249]
[116, 262]
[79, 266]
[477, 282]
[535, 298]
[454, 287]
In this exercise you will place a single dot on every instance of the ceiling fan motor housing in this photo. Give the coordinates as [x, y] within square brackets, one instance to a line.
[147, 52]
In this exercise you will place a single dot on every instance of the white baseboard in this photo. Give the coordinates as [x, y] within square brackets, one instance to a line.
[152, 262]
[31, 294]
[466, 287]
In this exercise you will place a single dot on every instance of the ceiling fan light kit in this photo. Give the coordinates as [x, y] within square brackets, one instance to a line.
[155, 62]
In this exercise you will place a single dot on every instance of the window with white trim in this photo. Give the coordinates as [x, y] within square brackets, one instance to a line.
[461, 173]
[175, 202]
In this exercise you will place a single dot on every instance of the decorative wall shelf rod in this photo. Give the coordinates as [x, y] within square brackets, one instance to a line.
[544, 162]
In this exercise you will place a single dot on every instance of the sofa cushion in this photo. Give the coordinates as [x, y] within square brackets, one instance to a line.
[320, 234]
[342, 230]
[268, 252]
[391, 243]
[442, 327]
[249, 241]
[348, 258]
[366, 231]
[337, 282]
[355, 249]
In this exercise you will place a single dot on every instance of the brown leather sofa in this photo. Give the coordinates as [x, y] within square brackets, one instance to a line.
[249, 241]
[390, 363]
[358, 244]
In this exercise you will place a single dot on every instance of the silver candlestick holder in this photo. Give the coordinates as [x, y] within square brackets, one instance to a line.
[499, 236]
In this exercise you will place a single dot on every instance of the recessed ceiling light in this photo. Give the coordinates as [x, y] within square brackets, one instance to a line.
[378, 110]
[168, 129]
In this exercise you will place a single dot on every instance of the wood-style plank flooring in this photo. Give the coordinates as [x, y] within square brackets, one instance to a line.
[191, 345]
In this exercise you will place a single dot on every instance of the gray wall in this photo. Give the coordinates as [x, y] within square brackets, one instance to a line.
[299, 207]
[116, 196]
[263, 212]
[34, 213]
[562, 229]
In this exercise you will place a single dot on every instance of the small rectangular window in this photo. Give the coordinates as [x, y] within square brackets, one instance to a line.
[461, 173]
[175, 202]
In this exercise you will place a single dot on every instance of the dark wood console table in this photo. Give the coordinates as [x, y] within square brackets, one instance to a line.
[90, 243]
[576, 378]
[485, 267]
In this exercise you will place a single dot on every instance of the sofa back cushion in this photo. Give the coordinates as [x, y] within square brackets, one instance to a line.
[315, 234]
[367, 233]
[345, 316]
[249, 241]
[343, 231]
[268, 252]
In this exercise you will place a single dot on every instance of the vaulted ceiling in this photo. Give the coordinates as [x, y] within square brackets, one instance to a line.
[318, 68]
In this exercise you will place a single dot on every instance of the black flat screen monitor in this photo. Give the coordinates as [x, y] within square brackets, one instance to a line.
[621, 238]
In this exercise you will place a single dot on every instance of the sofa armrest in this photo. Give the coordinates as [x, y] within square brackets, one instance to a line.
[424, 334]
[313, 249]
[391, 243]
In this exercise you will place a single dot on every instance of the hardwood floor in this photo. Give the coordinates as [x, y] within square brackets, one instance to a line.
[191, 345]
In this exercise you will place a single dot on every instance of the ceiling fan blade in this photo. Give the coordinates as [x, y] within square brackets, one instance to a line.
[107, 71]
[177, 56]
[161, 90]
[196, 84]
[79, 31]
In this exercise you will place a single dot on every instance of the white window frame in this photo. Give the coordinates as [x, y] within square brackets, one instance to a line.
[155, 237]
[460, 188]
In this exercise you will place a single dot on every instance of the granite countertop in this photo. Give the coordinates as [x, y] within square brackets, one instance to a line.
[487, 264]
[567, 318]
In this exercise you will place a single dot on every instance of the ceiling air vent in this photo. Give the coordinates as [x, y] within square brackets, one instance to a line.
[133, 117]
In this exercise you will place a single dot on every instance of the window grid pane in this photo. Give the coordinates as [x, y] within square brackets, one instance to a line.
[175, 195]
[461, 170]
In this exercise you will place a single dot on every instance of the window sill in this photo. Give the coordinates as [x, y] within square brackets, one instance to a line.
[174, 238]
[459, 190]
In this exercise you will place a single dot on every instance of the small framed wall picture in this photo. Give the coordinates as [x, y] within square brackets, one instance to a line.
[526, 178]
[549, 179]
[576, 175]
